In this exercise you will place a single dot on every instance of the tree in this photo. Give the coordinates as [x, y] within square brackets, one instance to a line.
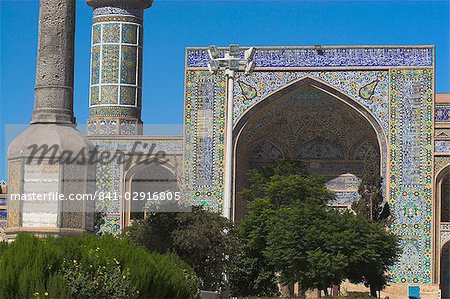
[371, 203]
[272, 187]
[375, 251]
[202, 238]
[251, 273]
[290, 232]
[321, 247]
[284, 182]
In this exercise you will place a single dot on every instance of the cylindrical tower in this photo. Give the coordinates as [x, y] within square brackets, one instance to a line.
[116, 67]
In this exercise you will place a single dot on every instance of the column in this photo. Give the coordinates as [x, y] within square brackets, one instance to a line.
[115, 100]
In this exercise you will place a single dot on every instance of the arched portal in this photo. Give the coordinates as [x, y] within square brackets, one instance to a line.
[311, 122]
[142, 182]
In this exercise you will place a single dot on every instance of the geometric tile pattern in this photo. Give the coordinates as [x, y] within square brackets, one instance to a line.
[400, 100]
[442, 113]
[411, 173]
[442, 146]
[116, 84]
[442, 132]
[110, 226]
[204, 125]
[440, 162]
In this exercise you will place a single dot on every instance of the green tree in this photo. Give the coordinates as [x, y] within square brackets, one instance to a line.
[321, 247]
[289, 230]
[202, 238]
[284, 182]
[251, 273]
[375, 250]
[272, 187]
[371, 203]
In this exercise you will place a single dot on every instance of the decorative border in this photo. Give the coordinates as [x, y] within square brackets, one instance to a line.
[442, 146]
[204, 124]
[297, 57]
[411, 173]
[442, 113]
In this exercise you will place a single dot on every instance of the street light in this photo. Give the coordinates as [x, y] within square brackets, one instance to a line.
[230, 63]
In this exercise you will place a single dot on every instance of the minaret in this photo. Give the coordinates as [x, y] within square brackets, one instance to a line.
[115, 99]
[47, 159]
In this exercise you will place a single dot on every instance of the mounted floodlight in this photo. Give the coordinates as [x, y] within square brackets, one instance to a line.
[249, 67]
[249, 54]
[233, 64]
[213, 52]
[213, 66]
[234, 50]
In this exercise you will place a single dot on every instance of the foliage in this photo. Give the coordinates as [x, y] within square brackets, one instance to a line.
[37, 266]
[371, 203]
[201, 238]
[251, 273]
[3, 246]
[279, 184]
[289, 230]
[284, 182]
[26, 266]
[375, 250]
[102, 278]
[321, 247]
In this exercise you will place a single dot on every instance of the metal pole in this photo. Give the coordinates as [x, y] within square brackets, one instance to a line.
[227, 197]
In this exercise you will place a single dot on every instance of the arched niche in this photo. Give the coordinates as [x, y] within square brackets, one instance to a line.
[310, 121]
[147, 178]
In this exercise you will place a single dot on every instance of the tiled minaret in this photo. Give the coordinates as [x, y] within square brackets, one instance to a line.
[61, 168]
[116, 67]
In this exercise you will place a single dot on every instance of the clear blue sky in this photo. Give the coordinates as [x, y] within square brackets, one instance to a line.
[170, 26]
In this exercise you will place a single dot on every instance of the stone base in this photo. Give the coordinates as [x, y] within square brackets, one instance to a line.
[41, 232]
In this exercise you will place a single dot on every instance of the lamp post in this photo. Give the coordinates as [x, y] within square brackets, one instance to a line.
[231, 62]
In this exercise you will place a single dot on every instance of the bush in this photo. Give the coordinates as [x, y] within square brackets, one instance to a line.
[3, 246]
[32, 266]
[26, 266]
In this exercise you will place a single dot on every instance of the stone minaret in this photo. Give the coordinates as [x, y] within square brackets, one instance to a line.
[116, 67]
[58, 167]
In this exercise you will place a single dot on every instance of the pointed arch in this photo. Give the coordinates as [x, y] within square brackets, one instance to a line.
[269, 102]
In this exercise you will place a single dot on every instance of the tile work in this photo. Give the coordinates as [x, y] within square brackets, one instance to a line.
[115, 66]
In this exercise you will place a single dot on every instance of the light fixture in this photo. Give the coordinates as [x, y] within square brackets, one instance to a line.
[213, 66]
[249, 53]
[234, 50]
[213, 52]
[249, 67]
[233, 64]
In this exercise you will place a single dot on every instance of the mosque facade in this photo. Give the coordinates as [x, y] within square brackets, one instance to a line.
[327, 106]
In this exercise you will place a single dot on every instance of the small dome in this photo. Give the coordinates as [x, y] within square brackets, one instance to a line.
[64, 137]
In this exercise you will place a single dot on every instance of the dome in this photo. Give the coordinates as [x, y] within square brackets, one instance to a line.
[65, 137]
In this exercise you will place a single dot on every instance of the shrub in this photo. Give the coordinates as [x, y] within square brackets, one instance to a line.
[34, 266]
[26, 266]
[3, 246]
